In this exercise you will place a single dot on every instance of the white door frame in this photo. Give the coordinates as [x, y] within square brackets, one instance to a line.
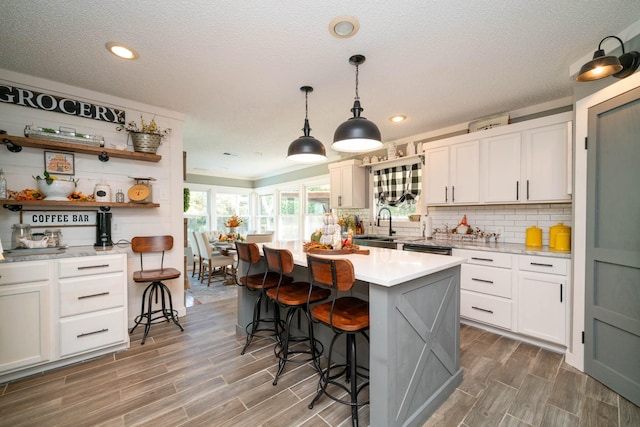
[575, 354]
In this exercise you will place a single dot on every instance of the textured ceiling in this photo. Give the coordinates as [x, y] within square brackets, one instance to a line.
[235, 68]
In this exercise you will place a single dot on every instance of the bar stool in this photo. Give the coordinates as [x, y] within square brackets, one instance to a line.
[295, 297]
[345, 316]
[150, 244]
[249, 254]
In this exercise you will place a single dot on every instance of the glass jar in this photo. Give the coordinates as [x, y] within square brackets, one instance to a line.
[20, 231]
[55, 237]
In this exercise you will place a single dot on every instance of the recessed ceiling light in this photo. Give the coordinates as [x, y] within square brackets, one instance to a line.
[122, 51]
[344, 27]
[398, 118]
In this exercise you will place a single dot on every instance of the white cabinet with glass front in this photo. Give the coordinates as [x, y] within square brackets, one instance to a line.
[453, 174]
[348, 184]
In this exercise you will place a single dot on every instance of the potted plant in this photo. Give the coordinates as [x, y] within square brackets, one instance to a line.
[147, 137]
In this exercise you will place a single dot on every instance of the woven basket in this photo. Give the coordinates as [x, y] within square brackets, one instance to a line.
[145, 142]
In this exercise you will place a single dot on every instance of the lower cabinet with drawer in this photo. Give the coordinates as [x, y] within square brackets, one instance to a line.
[61, 311]
[486, 287]
[543, 298]
[92, 303]
[523, 294]
[24, 315]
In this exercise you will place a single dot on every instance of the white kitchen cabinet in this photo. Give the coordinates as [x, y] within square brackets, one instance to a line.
[452, 174]
[486, 283]
[24, 314]
[528, 166]
[542, 298]
[92, 301]
[348, 184]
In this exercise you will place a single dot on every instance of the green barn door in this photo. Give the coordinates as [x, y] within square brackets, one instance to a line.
[612, 323]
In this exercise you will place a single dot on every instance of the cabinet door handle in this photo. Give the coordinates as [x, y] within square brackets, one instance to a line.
[517, 190]
[538, 264]
[527, 189]
[446, 194]
[482, 309]
[482, 259]
[101, 294]
[339, 200]
[86, 334]
[93, 266]
[560, 292]
[482, 280]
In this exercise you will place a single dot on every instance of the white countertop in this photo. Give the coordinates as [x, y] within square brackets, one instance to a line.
[384, 267]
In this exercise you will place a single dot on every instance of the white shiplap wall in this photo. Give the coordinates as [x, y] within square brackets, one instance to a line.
[127, 223]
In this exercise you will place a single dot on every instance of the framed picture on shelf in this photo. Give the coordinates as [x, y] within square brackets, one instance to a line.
[56, 162]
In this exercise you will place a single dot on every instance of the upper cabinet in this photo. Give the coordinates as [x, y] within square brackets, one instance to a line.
[526, 162]
[528, 166]
[453, 174]
[348, 184]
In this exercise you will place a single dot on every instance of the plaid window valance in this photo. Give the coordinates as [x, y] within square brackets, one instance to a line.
[399, 184]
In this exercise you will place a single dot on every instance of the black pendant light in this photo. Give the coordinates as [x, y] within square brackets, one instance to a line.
[602, 66]
[357, 134]
[306, 149]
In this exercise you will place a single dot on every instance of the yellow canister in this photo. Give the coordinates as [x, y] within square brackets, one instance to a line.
[563, 242]
[534, 236]
[553, 232]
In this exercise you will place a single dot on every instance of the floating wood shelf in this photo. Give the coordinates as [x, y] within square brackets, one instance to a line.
[16, 205]
[14, 143]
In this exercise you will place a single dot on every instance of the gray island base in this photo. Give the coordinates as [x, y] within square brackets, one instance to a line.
[414, 350]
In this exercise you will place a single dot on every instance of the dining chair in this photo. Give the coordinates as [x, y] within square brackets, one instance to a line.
[198, 254]
[260, 237]
[213, 260]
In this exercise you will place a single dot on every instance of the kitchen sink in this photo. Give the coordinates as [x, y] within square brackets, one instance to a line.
[376, 241]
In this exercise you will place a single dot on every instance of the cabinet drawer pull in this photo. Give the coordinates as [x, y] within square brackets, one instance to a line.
[482, 280]
[101, 294]
[482, 259]
[93, 266]
[86, 334]
[482, 309]
[538, 264]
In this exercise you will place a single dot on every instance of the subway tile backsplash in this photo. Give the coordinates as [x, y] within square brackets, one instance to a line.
[511, 221]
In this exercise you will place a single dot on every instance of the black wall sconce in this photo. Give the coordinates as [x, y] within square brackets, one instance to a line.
[602, 66]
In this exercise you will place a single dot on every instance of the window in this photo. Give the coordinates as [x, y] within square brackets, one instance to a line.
[398, 188]
[266, 213]
[317, 204]
[229, 204]
[289, 215]
[197, 214]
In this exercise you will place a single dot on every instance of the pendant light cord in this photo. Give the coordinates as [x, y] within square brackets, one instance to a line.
[357, 72]
[306, 104]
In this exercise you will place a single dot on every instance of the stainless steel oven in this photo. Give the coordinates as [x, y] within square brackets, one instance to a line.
[430, 249]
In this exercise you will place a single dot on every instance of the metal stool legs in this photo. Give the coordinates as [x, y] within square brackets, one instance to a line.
[350, 370]
[254, 327]
[282, 350]
[146, 317]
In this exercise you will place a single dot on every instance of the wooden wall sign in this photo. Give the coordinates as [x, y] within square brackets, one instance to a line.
[58, 218]
[71, 107]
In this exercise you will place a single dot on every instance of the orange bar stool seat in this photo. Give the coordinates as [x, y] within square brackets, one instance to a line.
[162, 309]
[296, 298]
[345, 315]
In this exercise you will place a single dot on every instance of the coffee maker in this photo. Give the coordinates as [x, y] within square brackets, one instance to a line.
[103, 231]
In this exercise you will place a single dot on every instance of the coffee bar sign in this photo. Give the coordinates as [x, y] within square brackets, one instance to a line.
[58, 219]
[72, 107]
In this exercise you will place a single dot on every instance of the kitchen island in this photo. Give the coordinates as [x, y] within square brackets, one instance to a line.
[414, 304]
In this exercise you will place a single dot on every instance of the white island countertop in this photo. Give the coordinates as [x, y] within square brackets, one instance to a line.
[385, 267]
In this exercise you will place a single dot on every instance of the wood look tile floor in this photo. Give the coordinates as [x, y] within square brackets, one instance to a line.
[198, 378]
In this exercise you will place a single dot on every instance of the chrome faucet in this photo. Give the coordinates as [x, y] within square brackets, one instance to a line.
[391, 232]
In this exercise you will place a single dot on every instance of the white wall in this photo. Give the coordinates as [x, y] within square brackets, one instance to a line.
[127, 223]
